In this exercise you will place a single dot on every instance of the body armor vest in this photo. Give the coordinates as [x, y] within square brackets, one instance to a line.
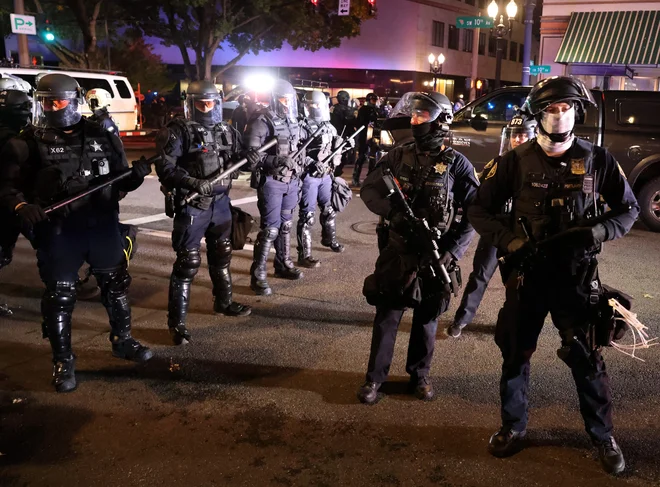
[321, 148]
[554, 199]
[426, 181]
[206, 151]
[65, 160]
[6, 133]
[287, 134]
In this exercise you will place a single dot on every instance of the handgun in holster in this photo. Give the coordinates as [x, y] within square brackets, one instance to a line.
[170, 205]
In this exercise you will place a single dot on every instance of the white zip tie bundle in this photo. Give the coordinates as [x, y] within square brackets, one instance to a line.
[640, 336]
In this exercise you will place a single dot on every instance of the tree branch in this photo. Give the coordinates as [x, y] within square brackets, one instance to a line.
[242, 52]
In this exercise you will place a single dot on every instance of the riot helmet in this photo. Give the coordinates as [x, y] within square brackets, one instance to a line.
[555, 90]
[317, 106]
[203, 104]
[430, 115]
[58, 101]
[98, 98]
[519, 130]
[371, 98]
[343, 97]
[15, 108]
[284, 101]
[11, 82]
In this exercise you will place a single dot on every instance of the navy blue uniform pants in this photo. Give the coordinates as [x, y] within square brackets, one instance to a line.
[192, 224]
[64, 246]
[420, 346]
[484, 266]
[518, 327]
[315, 190]
[276, 201]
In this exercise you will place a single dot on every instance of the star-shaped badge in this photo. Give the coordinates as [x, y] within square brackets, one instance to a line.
[96, 146]
[440, 168]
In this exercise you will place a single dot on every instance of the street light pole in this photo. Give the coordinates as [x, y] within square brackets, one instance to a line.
[500, 31]
[23, 49]
[435, 66]
[530, 5]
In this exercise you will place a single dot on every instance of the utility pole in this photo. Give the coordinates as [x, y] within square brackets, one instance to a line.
[475, 64]
[530, 5]
[23, 49]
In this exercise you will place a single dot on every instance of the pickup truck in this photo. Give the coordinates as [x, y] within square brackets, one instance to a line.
[624, 122]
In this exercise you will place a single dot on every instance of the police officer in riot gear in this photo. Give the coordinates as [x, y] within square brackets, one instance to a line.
[62, 155]
[15, 114]
[519, 130]
[99, 101]
[368, 113]
[343, 119]
[192, 151]
[556, 182]
[436, 180]
[276, 175]
[317, 180]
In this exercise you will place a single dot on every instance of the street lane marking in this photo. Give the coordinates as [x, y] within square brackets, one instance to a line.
[162, 234]
[162, 216]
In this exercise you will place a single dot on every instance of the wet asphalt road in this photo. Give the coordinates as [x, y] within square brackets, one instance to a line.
[270, 399]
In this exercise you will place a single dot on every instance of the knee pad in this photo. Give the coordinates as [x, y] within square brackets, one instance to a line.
[269, 233]
[306, 219]
[60, 296]
[187, 263]
[219, 252]
[328, 212]
[286, 226]
[113, 284]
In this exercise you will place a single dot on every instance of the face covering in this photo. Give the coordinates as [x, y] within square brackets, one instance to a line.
[558, 126]
[426, 137]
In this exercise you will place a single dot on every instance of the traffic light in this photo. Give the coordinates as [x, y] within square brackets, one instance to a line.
[372, 7]
[48, 32]
[315, 5]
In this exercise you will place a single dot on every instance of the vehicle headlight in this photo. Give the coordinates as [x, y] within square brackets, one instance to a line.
[386, 138]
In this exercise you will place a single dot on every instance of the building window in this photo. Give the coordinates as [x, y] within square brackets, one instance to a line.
[492, 46]
[468, 38]
[469, 2]
[521, 53]
[513, 52]
[482, 43]
[453, 37]
[438, 39]
[482, 3]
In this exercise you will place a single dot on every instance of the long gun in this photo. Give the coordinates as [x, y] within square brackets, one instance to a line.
[216, 179]
[429, 236]
[297, 154]
[93, 189]
[323, 164]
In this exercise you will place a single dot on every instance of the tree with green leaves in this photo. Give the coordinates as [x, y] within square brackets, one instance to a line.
[245, 26]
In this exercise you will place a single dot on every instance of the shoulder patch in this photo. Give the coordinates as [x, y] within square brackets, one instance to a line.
[492, 172]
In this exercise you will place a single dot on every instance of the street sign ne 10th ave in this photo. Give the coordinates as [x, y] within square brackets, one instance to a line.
[473, 22]
[23, 24]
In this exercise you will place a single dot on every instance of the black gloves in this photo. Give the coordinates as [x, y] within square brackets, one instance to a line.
[201, 186]
[515, 244]
[76, 185]
[585, 237]
[141, 168]
[253, 157]
[30, 215]
[445, 259]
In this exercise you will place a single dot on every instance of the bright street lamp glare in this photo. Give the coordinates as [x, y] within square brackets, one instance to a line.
[492, 9]
[431, 58]
[511, 9]
[259, 83]
[441, 58]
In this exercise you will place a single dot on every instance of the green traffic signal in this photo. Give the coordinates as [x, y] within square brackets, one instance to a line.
[49, 36]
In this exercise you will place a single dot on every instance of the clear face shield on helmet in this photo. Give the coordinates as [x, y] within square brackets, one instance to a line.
[57, 110]
[284, 101]
[419, 107]
[317, 109]
[205, 109]
[513, 136]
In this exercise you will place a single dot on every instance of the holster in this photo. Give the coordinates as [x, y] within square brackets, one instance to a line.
[256, 179]
[170, 206]
[607, 327]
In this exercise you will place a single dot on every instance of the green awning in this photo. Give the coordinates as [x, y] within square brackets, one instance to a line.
[629, 38]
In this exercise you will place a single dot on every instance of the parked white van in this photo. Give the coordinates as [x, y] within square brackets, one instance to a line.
[124, 107]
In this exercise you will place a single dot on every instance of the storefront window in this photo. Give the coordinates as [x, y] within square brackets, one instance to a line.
[639, 84]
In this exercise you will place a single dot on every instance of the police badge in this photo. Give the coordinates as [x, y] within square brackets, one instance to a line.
[440, 168]
[577, 167]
